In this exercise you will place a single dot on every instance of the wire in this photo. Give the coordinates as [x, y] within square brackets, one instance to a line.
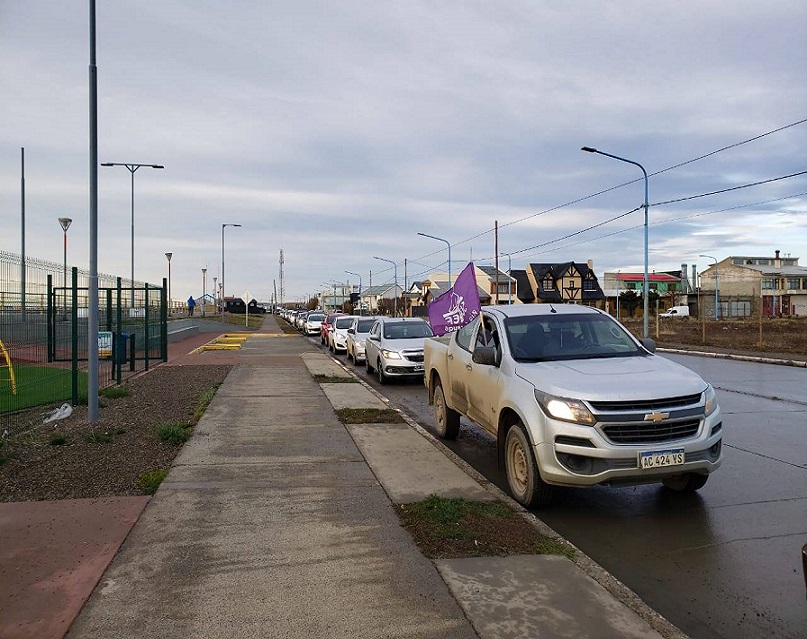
[733, 188]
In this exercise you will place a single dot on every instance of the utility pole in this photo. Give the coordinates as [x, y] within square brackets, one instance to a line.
[496, 253]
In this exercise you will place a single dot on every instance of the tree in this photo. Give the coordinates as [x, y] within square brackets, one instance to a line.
[629, 300]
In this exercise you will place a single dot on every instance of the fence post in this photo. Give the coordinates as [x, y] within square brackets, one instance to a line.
[146, 324]
[74, 334]
[119, 320]
[50, 320]
[164, 322]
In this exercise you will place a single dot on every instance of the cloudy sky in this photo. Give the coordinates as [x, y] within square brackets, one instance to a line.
[336, 131]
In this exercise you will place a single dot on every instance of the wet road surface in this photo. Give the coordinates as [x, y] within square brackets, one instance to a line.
[723, 563]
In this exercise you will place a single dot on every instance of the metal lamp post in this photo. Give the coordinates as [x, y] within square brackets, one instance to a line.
[395, 299]
[204, 290]
[168, 256]
[509, 283]
[65, 223]
[132, 168]
[359, 276]
[589, 149]
[717, 295]
[223, 226]
[440, 239]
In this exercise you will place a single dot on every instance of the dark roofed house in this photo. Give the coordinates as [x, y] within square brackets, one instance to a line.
[567, 282]
[523, 287]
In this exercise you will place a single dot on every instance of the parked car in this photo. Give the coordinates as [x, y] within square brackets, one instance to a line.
[573, 399]
[326, 327]
[356, 335]
[394, 347]
[337, 334]
[299, 320]
[313, 323]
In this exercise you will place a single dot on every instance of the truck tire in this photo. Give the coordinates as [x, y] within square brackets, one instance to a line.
[447, 419]
[685, 482]
[525, 482]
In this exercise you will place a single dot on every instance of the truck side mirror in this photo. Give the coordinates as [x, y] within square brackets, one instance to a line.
[649, 344]
[485, 355]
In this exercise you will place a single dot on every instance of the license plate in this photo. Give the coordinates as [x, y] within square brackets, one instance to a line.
[659, 458]
[419, 368]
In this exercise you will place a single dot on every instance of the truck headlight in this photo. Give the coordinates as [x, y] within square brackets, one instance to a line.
[390, 354]
[568, 410]
[710, 400]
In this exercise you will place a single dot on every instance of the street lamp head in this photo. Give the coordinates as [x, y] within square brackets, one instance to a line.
[588, 149]
[157, 166]
[107, 164]
[65, 222]
[169, 255]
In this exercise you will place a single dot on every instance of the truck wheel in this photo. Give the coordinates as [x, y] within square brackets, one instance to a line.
[523, 477]
[382, 379]
[685, 482]
[367, 365]
[448, 420]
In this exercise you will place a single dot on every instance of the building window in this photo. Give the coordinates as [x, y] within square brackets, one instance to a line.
[589, 285]
[548, 285]
[793, 283]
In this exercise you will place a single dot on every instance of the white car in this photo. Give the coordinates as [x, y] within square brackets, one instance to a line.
[313, 323]
[337, 335]
[394, 347]
[356, 334]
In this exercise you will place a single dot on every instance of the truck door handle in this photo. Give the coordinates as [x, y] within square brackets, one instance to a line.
[450, 356]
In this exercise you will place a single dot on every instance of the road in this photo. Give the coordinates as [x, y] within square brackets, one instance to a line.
[724, 563]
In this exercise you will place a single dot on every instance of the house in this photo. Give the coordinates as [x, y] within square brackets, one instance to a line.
[741, 281]
[371, 295]
[671, 287]
[568, 282]
[500, 287]
[524, 292]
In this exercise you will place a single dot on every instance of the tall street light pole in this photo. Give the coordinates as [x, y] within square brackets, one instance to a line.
[440, 239]
[395, 299]
[589, 149]
[509, 282]
[717, 299]
[132, 169]
[359, 276]
[204, 290]
[223, 226]
[168, 256]
[65, 223]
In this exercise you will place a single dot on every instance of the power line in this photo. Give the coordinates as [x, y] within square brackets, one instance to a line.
[733, 188]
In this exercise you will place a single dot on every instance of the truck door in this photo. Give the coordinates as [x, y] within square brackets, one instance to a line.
[483, 382]
[459, 358]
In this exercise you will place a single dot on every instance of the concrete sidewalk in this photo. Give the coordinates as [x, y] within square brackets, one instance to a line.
[278, 521]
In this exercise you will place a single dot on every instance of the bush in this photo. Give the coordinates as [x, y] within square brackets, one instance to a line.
[176, 433]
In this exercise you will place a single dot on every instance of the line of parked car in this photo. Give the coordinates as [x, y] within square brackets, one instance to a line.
[390, 347]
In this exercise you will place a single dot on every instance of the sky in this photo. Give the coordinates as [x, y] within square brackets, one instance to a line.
[337, 131]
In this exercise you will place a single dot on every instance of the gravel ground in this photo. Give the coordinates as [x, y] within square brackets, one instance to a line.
[69, 459]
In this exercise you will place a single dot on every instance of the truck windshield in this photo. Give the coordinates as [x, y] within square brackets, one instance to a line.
[562, 337]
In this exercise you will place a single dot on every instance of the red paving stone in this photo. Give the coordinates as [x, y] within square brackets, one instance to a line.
[52, 554]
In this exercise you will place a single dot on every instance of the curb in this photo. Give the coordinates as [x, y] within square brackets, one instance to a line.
[742, 358]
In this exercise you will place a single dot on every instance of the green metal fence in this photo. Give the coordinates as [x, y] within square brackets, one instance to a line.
[44, 339]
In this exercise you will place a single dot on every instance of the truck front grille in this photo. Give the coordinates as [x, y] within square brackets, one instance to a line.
[650, 433]
[651, 404]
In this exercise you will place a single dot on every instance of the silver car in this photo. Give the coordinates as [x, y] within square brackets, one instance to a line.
[337, 334]
[356, 336]
[394, 347]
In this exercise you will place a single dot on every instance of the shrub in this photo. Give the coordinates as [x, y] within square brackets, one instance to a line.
[114, 392]
[176, 433]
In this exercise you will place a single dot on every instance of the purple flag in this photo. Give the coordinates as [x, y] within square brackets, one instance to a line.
[458, 306]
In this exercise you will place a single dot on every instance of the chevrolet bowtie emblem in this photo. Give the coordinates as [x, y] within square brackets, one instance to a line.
[656, 417]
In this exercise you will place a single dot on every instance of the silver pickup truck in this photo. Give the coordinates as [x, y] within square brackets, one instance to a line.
[573, 399]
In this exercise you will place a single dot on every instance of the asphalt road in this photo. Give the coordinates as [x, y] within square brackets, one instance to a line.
[722, 563]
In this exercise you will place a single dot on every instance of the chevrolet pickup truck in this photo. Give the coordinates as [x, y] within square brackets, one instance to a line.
[573, 399]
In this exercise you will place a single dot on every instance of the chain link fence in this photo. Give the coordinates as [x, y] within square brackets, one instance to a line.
[44, 340]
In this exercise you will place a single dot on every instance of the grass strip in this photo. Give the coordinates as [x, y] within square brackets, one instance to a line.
[446, 528]
[369, 416]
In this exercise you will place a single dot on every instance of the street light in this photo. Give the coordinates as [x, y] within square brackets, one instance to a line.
[65, 222]
[589, 149]
[395, 299]
[359, 276]
[223, 226]
[168, 257]
[440, 239]
[509, 283]
[204, 290]
[132, 168]
[717, 304]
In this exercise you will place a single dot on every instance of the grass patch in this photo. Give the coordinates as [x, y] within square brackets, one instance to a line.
[175, 433]
[204, 401]
[332, 379]
[150, 481]
[114, 392]
[97, 438]
[369, 416]
[454, 527]
[38, 386]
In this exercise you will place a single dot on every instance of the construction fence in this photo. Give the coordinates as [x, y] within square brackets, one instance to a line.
[44, 339]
